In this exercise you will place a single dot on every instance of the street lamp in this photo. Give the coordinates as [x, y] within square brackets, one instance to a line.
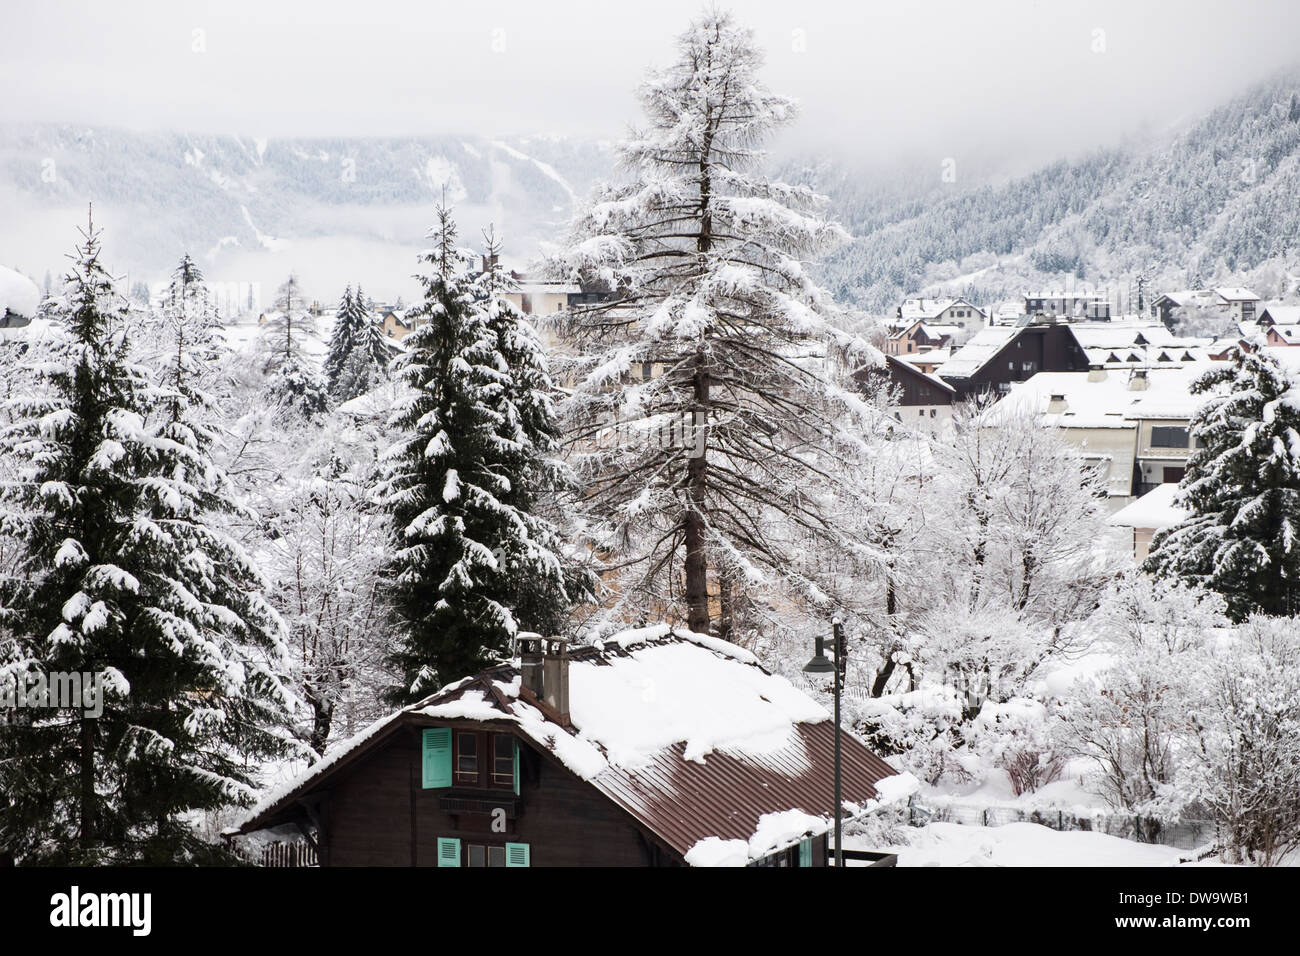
[820, 665]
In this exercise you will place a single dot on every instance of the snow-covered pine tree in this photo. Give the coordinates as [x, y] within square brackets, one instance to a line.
[122, 573]
[182, 342]
[1242, 488]
[452, 484]
[294, 381]
[709, 358]
[358, 356]
[544, 582]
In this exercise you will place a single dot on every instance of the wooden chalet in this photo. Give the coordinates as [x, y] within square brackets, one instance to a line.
[999, 356]
[652, 748]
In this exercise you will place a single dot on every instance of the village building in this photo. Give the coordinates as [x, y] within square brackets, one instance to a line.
[1068, 305]
[956, 312]
[920, 337]
[921, 400]
[999, 356]
[1280, 325]
[654, 747]
[1236, 304]
[1152, 512]
[1241, 304]
[1131, 425]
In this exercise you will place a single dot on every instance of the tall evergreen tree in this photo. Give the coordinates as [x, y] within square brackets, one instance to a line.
[294, 381]
[123, 572]
[705, 258]
[1242, 487]
[458, 484]
[358, 355]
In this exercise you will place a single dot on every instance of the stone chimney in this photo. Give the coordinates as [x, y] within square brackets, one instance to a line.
[1057, 404]
[1139, 382]
[555, 676]
[529, 646]
[1097, 373]
[544, 673]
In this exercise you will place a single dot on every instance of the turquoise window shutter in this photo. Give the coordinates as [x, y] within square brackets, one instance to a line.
[516, 768]
[517, 854]
[805, 852]
[436, 758]
[448, 851]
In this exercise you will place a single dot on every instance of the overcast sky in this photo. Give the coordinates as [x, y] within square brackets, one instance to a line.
[874, 78]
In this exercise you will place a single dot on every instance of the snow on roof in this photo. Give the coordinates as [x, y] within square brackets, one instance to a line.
[18, 294]
[1184, 296]
[922, 308]
[685, 731]
[1078, 401]
[1114, 335]
[1282, 314]
[1169, 394]
[1236, 294]
[376, 403]
[534, 286]
[1156, 509]
[975, 354]
[930, 357]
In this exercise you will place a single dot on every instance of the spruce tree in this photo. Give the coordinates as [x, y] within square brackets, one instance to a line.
[357, 356]
[454, 487]
[122, 572]
[294, 381]
[1242, 488]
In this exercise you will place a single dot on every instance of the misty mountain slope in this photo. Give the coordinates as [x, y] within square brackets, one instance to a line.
[1220, 198]
[242, 204]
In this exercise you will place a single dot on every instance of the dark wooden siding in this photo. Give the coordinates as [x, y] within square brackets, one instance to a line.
[1046, 348]
[379, 815]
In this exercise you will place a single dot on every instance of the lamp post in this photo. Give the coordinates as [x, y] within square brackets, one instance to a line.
[820, 665]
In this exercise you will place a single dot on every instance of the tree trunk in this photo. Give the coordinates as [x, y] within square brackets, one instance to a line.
[697, 570]
[322, 708]
[87, 773]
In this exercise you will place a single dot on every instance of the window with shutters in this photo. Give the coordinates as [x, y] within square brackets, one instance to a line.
[435, 753]
[486, 760]
[489, 854]
[467, 754]
[503, 760]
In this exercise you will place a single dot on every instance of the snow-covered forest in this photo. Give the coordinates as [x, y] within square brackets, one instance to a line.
[268, 532]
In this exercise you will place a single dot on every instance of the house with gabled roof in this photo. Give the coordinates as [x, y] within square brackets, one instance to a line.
[956, 312]
[654, 747]
[998, 356]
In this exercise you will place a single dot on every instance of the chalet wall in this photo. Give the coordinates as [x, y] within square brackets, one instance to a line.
[379, 815]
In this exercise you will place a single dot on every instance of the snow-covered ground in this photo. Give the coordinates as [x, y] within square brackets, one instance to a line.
[1021, 844]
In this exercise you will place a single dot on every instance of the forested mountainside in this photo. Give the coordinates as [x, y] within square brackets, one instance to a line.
[217, 196]
[1219, 197]
[1217, 200]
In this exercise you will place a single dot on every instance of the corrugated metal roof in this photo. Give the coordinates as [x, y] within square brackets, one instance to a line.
[683, 801]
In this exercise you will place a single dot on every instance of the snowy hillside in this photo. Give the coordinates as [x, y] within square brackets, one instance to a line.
[1214, 199]
[251, 209]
